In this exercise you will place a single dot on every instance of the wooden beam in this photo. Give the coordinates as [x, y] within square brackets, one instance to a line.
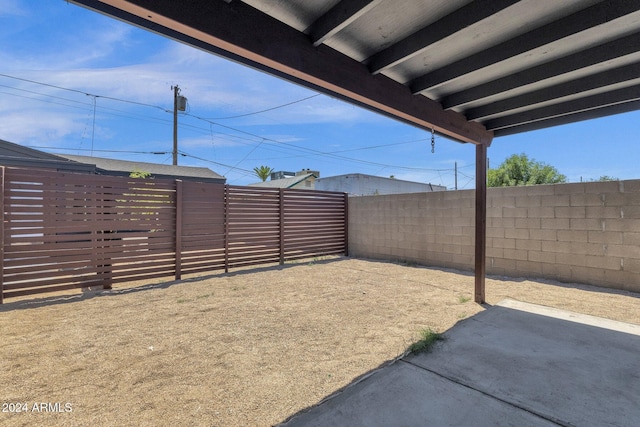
[596, 55]
[573, 87]
[585, 19]
[421, 40]
[593, 102]
[481, 223]
[241, 33]
[338, 17]
[572, 118]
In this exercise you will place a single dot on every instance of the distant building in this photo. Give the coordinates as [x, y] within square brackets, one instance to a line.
[357, 184]
[17, 155]
[158, 170]
[302, 180]
[281, 175]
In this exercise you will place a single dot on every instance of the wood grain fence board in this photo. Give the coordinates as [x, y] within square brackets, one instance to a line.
[54, 281]
[66, 230]
[178, 229]
[345, 202]
[51, 289]
[2, 232]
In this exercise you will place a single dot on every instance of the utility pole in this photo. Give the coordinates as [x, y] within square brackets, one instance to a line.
[456, 173]
[179, 104]
[176, 91]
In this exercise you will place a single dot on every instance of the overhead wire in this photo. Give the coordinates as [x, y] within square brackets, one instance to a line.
[261, 140]
[183, 153]
[263, 111]
[102, 151]
[38, 93]
[110, 110]
[135, 103]
[444, 171]
[310, 150]
[85, 93]
[82, 104]
[246, 171]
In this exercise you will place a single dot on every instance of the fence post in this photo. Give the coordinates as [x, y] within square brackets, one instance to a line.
[346, 224]
[100, 241]
[2, 234]
[179, 206]
[226, 228]
[281, 202]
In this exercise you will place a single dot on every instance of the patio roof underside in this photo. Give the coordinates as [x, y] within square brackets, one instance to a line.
[470, 70]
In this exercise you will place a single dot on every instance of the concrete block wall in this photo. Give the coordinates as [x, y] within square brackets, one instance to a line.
[583, 232]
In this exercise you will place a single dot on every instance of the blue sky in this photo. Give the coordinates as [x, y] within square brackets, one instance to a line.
[74, 81]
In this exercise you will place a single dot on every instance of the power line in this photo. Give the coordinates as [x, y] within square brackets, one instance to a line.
[217, 163]
[263, 111]
[94, 107]
[208, 131]
[127, 114]
[102, 151]
[261, 139]
[83, 92]
[183, 153]
[310, 150]
[41, 94]
[246, 155]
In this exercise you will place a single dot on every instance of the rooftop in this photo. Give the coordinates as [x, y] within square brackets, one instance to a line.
[284, 182]
[156, 169]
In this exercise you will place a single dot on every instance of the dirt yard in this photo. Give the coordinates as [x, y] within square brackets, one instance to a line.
[251, 347]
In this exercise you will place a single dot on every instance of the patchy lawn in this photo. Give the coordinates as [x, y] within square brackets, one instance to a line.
[247, 348]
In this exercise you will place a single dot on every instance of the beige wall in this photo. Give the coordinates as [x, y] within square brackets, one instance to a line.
[583, 232]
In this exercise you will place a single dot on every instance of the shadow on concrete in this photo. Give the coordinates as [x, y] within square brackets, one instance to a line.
[514, 364]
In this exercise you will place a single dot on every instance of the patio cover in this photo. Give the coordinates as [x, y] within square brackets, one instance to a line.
[469, 70]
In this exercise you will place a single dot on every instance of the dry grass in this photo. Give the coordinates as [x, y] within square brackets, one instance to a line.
[247, 348]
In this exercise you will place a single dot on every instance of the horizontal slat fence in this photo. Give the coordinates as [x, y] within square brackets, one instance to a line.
[253, 225]
[203, 229]
[313, 225]
[64, 230]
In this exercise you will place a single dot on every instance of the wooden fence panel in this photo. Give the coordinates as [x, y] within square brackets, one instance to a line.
[203, 231]
[253, 226]
[64, 230]
[70, 230]
[314, 223]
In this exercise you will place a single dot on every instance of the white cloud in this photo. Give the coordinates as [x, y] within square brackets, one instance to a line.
[37, 126]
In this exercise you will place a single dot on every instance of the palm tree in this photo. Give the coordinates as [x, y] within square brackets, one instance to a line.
[263, 172]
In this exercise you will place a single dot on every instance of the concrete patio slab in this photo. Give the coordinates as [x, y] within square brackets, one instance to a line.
[515, 364]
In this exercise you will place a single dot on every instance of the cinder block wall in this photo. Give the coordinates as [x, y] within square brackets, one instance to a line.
[584, 232]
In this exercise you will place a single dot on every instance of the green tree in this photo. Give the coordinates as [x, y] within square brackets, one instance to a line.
[605, 178]
[520, 170]
[263, 172]
[139, 173]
